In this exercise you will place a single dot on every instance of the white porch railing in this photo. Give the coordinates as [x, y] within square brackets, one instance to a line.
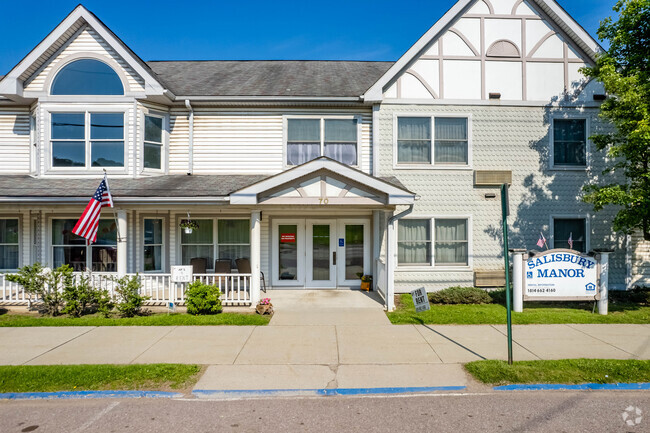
[381, 279]
[235, 288]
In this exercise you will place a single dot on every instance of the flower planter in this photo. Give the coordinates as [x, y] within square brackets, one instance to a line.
[188, 230]
[263, 309]
[365, 285]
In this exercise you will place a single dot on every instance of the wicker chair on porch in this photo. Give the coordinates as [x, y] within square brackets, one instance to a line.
[199, 265]
[244, 267]
[222, 266]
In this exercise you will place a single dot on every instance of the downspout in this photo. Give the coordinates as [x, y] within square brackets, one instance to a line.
[375, 140]
[190, 155]
[390, 258]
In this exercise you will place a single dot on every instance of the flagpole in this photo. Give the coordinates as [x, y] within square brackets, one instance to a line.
[117, 224]
[545, 244]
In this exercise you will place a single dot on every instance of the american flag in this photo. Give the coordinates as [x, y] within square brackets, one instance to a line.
[570, 241]
[87, 225]
[541, 241]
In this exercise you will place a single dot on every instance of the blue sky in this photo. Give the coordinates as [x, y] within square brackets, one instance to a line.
[243, 30]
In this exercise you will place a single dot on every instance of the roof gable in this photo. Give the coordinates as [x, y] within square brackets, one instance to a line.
[79, 24]
[317, 180]
[480, 47]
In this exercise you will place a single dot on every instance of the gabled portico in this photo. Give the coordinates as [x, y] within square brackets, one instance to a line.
[326, 226]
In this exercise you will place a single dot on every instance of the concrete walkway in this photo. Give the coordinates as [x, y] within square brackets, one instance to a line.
[322, 346]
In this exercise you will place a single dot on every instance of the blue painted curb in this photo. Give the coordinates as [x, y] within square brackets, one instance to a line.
[583, 386]
[86, 394]
[319, 392]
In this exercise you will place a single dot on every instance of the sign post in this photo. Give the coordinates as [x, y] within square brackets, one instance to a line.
[506, 257]
[420, 300]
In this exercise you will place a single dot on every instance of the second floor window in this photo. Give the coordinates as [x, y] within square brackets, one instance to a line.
[87, 140]
[569, 143]
[448, 145]
[153, 142]
[308, 139]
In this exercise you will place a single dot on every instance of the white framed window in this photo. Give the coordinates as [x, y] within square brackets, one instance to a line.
[439, 242]
[570, 232]
[9, 243]
[451, 242]
[569, 139]
[414, 242]
[425, 141]
[70, 249]
[153, 244]
[218, 238]
[87, 139]
[336, 137]
[154, 142]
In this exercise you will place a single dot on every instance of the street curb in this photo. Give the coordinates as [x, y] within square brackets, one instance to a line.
[583, 386]
[238, 393]
[86, 394]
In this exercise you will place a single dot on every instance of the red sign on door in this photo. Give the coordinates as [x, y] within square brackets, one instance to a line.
[287, 237]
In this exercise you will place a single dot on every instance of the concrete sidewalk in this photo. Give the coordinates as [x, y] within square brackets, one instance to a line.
[317, 356]
[317, 340]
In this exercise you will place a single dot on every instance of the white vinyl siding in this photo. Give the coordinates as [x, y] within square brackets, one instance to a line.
[87, 41]
[242, 143]
[14, 142]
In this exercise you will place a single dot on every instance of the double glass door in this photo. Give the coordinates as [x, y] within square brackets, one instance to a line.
[320, 253]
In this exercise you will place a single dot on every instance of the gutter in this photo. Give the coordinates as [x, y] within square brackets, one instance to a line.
[190, 156]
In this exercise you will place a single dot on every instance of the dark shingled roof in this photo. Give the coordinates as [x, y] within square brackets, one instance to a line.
[175, 185]
[179, 185]
[269, 78]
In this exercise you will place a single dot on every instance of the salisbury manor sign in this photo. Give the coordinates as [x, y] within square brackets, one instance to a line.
[562, 275]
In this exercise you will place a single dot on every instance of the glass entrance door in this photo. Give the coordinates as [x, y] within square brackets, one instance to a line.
[321, 254]
[354, 251]
[288, 253]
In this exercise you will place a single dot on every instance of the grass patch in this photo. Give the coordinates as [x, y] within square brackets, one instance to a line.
[564, 371]
[175, 319]
[534, 313]
[48, 378]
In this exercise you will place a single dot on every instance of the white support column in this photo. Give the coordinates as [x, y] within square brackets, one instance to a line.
[603, 290]
[518, 280]
[390, 266]
[256, 218]
[121, 243]
[376, 245]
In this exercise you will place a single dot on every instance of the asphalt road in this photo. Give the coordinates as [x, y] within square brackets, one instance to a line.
[539, 411]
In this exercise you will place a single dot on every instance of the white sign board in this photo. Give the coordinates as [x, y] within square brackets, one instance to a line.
[420, 300]
[560, 274]
[181, 274]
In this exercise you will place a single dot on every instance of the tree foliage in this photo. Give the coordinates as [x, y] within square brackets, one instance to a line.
[624, 70]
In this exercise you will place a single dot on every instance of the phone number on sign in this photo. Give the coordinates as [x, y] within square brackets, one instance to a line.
[541, 290]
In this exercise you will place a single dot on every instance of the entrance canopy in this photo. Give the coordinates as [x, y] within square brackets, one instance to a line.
[324, 181]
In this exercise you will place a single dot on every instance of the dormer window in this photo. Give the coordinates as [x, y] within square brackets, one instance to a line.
[87, 77]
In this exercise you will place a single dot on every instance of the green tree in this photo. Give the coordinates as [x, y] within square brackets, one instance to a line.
[624, 70]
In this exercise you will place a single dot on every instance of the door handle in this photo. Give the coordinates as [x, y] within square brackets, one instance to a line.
[334, 258]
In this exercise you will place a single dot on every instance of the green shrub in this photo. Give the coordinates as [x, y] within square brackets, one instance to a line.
[48, 285]
[460, 295]
[128, 294]
[202, 298]
[637, 295]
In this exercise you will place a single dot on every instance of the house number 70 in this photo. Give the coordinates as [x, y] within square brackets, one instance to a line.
[323, 200]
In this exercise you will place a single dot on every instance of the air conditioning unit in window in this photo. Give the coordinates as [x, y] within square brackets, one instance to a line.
[492, 177]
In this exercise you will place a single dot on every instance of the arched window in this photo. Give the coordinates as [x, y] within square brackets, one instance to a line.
[87, 77]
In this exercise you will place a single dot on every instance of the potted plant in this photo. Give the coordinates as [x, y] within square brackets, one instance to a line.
[189, 225]
[366, 282]
[264, 306]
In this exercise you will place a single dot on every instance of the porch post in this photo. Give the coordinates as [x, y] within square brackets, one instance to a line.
[256, 217]
[121, 243]
[390, 265]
